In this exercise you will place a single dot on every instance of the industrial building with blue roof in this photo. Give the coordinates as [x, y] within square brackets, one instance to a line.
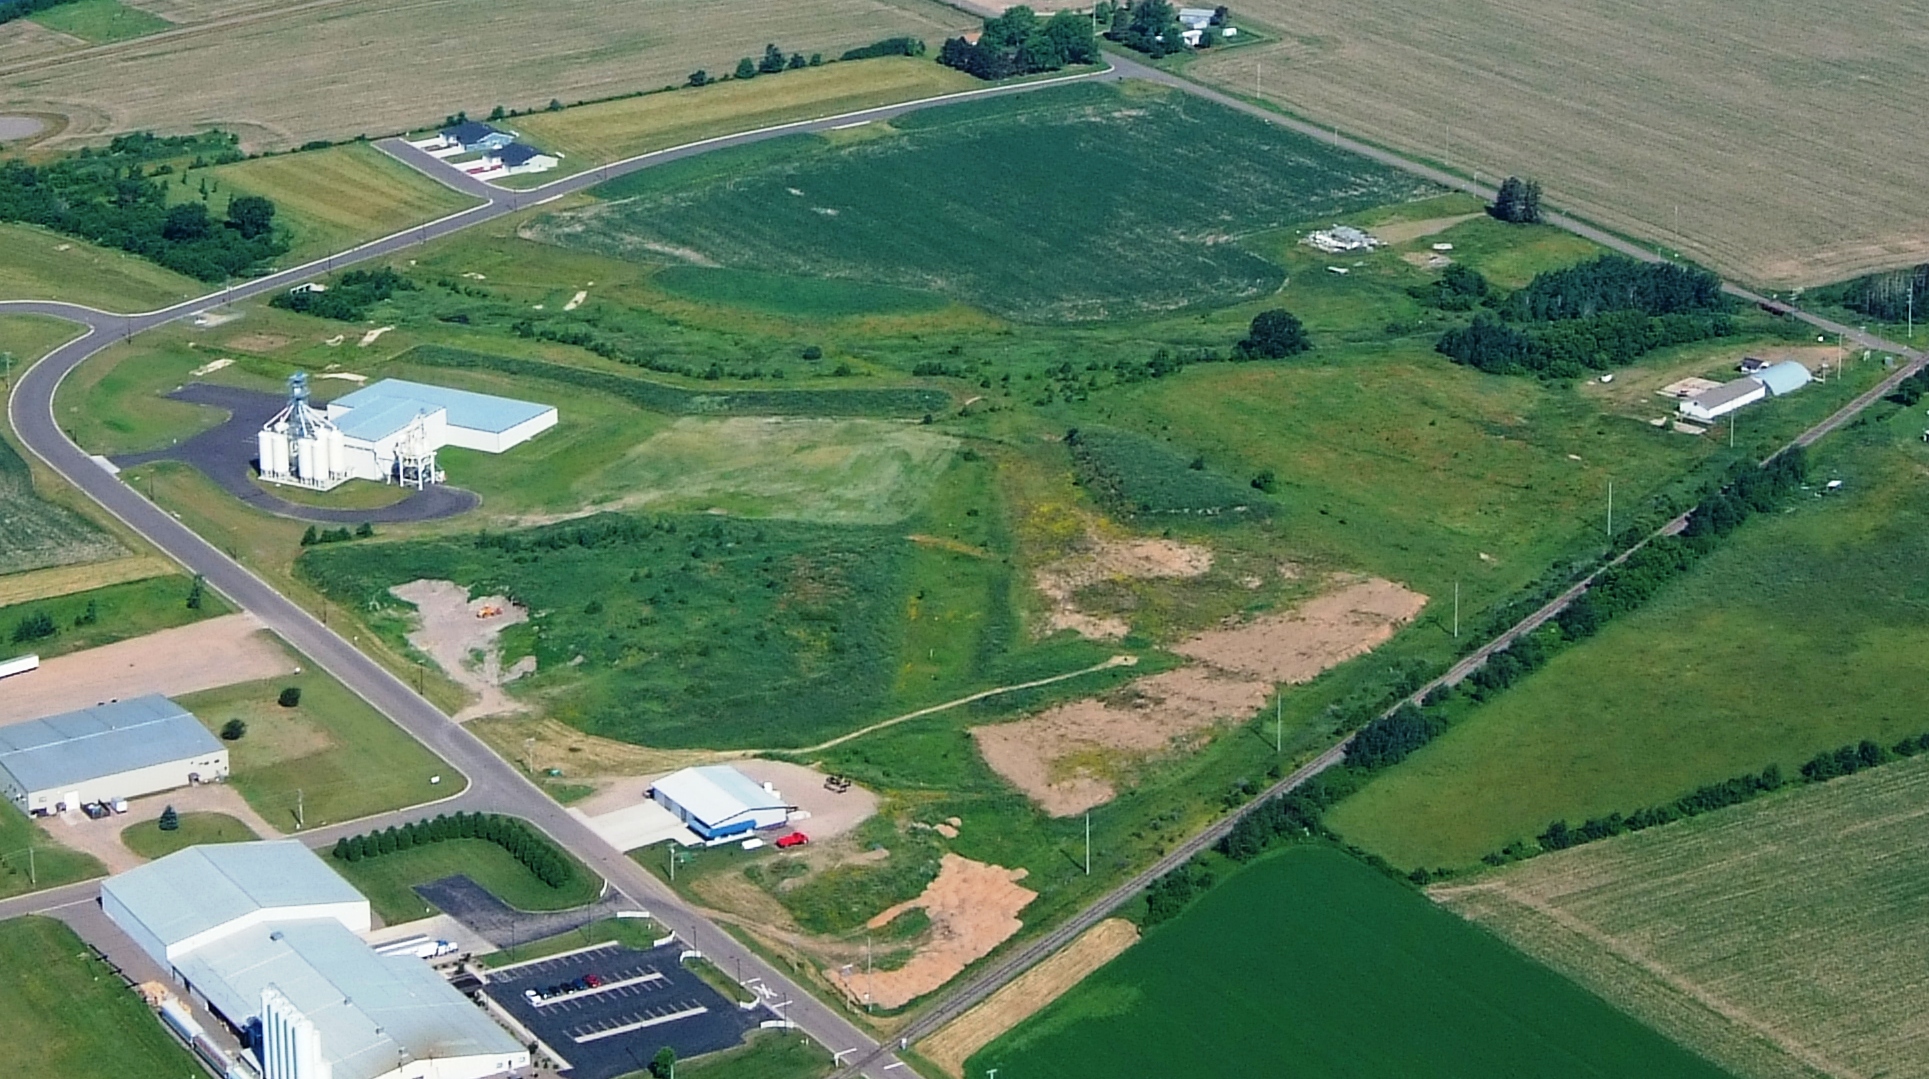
[122, 749]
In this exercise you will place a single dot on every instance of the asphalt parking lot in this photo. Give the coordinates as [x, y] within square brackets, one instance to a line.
[647, 1001]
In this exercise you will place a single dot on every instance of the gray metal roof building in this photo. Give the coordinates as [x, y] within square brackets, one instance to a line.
[1783, 378]
[177, 903]
[120, 750]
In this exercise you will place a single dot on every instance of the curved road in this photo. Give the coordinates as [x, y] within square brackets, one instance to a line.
[493, 783]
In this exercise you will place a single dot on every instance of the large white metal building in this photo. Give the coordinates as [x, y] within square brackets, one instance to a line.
[717, 801]
[120, 750]
[265, 934]
[388, 431]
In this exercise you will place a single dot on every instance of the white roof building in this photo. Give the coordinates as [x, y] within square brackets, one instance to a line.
[717, 801]
[1723, 399]
[266, 934]
[119, 750]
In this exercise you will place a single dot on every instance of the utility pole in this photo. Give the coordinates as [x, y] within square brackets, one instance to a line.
[1456, 608]
[1088, 842]
[1610, 532]
[868, 971]
[1279, 722]
[32, 877]
[300, 821]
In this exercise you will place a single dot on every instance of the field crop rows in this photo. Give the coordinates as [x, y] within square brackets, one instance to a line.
[1771, 139]
[1004, 223]
[522, 56]
[1782, 938]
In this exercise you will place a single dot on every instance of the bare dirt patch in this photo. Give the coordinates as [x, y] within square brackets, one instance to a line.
[206, 655]
[952, 1045]
[1102, 560]
[1320, 633]
[973, 908]
[1400, 232]
[460, 634]
[102, 838]
[20, 127]
[259, 342]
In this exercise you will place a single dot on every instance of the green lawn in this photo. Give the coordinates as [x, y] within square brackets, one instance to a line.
[1805, 631]
[343, 758]
[69, 1016]
[100, 21]
[638, 933]
[39, 265]
[1307, 963]
[770, 1055]
[386, 880]
[49, 865]
[119, 612]
[1002, 203]
[149, 841]
[117, 403]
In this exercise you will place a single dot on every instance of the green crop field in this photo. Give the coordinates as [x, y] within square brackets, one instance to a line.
[1655, 118]
[1804, 631]
[149, 841]
[1782, 937]
[1001, 221]
[97, 22]
[315, 58]
[344, 758]
[39, 265]
[68, 1015]
[1307, 963]
[387, 880]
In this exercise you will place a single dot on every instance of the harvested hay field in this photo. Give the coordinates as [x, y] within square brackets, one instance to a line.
[973, 908]
[1782, 131]
[1783, 937]
[210, 73]
[951, 1046]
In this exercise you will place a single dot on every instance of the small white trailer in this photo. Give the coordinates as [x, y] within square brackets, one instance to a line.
[18, 665]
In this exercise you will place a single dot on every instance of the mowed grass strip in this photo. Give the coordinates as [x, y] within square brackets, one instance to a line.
[149, 841]
[1784, 936]
[1002, 202]
[589, 135]
[36, 264]
[1308, 963]
[388, 879]
[68, 1015]
[1807, 630]
[1655, 118]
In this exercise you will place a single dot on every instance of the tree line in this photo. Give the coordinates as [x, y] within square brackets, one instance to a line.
[20, 9]
[1891, 296]
[1020, 43]
[1152, 26]
[525, 844]
[107, 197]
[349, 298]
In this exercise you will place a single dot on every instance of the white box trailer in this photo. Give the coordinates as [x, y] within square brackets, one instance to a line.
[18, 665]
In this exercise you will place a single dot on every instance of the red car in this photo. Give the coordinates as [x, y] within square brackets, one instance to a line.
[794, 839]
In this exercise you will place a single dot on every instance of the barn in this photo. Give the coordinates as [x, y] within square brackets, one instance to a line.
[1724, 399]
[122, 749]
[719, 802]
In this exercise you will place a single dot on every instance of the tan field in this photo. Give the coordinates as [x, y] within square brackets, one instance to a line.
[337, 69]
[1771, 139]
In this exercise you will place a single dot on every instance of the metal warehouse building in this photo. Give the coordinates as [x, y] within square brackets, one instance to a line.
[717, 801]
[265, 934]
[119, 750]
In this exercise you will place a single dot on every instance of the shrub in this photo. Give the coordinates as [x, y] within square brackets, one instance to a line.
[233, 730]
[170, 820]
[289, 697]
[1274, 335]
[35, 627]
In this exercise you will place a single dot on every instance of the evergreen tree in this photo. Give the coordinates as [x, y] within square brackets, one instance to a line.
[170, 820]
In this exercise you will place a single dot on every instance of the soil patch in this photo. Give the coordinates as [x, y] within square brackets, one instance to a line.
[973, 908]
[1320, 633]
[206, 655]
[1139, 559]
[1399, 232]
[259, 342]
[460, 634]
[952, 1045]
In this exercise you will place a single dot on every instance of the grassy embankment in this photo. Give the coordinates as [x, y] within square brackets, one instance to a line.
[1802, 633]
[149, 841]
[68, 1014]
[36, 264]
[388, 880]
[1307, 963]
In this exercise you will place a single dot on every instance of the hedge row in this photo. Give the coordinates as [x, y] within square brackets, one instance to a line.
[527, 845]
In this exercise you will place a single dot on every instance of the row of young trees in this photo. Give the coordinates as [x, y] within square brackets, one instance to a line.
[1020, 43]
[533, 849]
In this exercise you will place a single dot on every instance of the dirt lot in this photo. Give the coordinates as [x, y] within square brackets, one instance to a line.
[460, 634]
[1400, 232]
[206, 655]
[973, 908]
[1074, 756]
[1101, 560]
[952, 1045]
[831, 814]
[102, 838]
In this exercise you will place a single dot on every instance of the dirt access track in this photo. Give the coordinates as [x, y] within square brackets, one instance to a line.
[973, 908]
[206, 655]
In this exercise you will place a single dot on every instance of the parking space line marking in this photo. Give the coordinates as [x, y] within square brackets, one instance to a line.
[640, 1024]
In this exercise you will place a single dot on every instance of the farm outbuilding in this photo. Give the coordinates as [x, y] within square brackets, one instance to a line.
[718, 802]
[1724, 399]
[1783, 378]
[122, 749]
[267, 936]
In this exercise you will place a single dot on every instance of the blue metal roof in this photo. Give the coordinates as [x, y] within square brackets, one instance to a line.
[1784, 377]
[75, 747]
[379, 419]
[474, 411]
[194, 890]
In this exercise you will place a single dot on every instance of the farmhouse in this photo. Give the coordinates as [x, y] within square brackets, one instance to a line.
[265, 934]
[1343, 238]
[1195, 18]
[1723, 399]
[389, 431]
[511, 160]
[718, 802]
[119, 750]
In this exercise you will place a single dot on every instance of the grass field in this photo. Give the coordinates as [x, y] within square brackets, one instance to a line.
[329, 200]
[36, 533]
[345, 758]
[50, 864]
[39, 265]
[1655, 119]
[608, 131]
[770, 1055]
[1804, 631]
[1782, 937]
[387, 880]
[69, 1015]
[212, 74]
[97, 22]
[119, 612]
[1014, 230]
[117, 402]
[149, 841]
[1307, 963]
